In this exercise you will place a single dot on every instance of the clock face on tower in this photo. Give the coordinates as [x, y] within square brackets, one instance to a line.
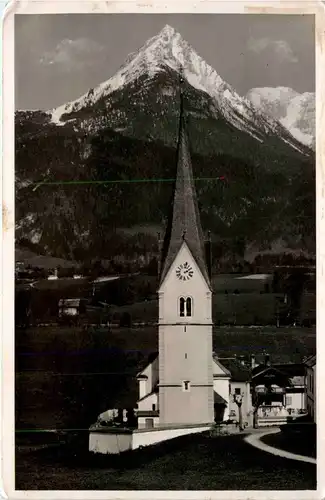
[184, 272]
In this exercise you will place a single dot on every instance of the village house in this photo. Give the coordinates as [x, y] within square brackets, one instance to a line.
[310, 393]
[281, 391]
[71, 307]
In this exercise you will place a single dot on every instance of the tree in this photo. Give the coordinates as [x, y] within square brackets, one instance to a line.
[126, 321]
[295, 285]
[276, 282]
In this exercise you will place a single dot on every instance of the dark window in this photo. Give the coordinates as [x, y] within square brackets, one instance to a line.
[182, 307]
[186, 385]
[153, 407]
[149, 423]
[188, 306]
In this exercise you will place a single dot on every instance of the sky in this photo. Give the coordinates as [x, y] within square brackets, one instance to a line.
[59, 57]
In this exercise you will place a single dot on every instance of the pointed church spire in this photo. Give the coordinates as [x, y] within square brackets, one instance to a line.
[184, 223]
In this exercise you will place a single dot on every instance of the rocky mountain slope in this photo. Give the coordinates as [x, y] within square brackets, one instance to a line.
[296, 112]
[122, 136]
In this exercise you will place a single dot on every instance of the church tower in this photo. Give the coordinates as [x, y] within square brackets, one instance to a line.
[185, 306]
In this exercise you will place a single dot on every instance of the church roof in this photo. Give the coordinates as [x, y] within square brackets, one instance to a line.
[184, 223]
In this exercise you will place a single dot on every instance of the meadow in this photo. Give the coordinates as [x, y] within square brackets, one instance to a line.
[196, 462]
[237, 300]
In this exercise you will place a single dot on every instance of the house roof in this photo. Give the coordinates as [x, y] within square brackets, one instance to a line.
[225, 371]
[184, 223]
[70, 302]
[267, 373]
[290, 369]
[154, 391]
[311, 361]
[238, 372]
[150, 359]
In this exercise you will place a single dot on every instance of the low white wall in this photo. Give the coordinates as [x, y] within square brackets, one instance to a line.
[109, 442]
[268, 422]
[144, 438]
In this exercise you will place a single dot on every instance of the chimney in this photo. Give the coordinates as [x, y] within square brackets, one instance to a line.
[253, 361]
[267, 360]
[242, 360]
[208, 254]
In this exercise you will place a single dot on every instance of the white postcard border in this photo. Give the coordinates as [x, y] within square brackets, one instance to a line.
[8, 177]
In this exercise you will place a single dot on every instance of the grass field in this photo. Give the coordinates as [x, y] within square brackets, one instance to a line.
[300, 444]
[67, 376]
[196, 462]
[235, 300]
[243, 309]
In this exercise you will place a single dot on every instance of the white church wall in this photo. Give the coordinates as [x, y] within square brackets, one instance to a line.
[142, 388]
[146, 404]
[142, 422]
[185, 355]
[187, 350]
[196, 288]
[185, 347]
[152, 373]
[192, 407]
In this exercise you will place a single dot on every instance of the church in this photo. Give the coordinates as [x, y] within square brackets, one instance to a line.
[184, 388]
[184, 383]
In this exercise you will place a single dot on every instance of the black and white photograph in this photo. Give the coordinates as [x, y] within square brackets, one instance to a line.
[165, 252]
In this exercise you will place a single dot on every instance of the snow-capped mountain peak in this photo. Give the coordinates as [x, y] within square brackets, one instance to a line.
[168, 51]
[296, 112]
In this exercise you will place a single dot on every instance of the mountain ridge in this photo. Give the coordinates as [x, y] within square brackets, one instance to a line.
[169, 49]
[294, 110]
[131, 133]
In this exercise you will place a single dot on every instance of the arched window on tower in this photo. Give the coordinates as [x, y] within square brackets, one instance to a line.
[188, 306]
[182, 307]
